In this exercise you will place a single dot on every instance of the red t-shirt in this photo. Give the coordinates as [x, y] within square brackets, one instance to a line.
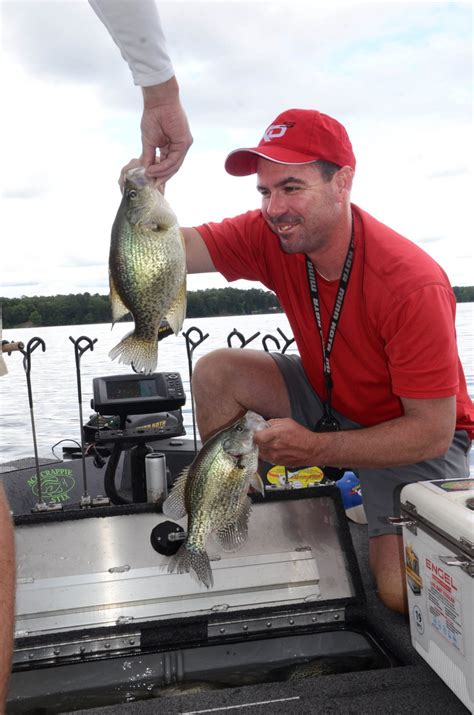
[396, 333]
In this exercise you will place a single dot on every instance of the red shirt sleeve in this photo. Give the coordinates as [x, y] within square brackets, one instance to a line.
[420, 343]
[237, 247]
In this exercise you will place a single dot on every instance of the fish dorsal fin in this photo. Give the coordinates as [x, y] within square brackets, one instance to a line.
[175, 506]
[117, 305]
[176, 313]
[234, 535]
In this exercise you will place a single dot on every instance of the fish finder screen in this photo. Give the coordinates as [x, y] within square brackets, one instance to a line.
[128, 389]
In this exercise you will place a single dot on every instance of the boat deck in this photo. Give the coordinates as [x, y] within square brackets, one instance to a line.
[413, 687]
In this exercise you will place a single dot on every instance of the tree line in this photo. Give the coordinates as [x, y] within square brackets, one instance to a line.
[84, 308]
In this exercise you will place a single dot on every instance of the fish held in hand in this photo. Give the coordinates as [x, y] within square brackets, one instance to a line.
[213, 492]
[147, 270]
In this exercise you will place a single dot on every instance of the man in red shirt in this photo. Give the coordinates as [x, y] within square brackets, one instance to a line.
[378, 386]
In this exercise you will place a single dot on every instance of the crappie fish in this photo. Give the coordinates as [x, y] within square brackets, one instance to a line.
[213, 492]
[147, 270]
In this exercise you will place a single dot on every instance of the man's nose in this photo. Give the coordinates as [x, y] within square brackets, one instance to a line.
[276, 205]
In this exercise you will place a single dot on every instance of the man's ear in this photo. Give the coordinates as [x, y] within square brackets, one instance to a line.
[343, 179]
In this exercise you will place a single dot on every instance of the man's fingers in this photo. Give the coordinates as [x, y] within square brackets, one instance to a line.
[166, 167]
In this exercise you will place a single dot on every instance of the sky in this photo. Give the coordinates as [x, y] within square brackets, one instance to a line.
[398, 75]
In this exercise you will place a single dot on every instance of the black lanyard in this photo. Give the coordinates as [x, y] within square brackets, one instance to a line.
[341, 293]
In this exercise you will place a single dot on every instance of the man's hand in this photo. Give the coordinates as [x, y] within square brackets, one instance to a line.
[165, 127]
[284, 441]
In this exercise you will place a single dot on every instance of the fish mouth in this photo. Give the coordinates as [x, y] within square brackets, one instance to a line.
[237, 453]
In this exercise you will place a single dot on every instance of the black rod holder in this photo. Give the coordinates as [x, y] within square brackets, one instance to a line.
[191, 345]
[243, 341]
[287, 343]
[81, 345]
[27, 352]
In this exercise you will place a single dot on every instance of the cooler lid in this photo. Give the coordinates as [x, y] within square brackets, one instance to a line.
[446, 505]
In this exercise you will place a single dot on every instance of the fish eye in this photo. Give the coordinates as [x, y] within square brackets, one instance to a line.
[239, 428]
[132, 194]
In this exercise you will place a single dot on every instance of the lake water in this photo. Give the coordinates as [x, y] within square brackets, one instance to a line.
[53, 374]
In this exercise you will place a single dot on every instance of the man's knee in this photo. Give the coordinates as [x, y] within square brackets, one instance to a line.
[212, 369]
[388, 567]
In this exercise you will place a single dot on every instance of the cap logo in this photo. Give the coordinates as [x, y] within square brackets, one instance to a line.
[275, 131]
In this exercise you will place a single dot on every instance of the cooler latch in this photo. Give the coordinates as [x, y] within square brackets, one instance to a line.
[466, 564]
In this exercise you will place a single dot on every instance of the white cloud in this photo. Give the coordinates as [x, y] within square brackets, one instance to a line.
[398, 75]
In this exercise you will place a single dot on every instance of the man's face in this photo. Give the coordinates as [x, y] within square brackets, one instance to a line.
[299, 206]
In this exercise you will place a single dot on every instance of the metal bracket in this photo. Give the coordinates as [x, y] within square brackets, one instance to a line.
[83, 648]
[275, 623]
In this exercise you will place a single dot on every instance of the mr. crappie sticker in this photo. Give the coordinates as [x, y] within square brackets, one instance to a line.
[56, 484]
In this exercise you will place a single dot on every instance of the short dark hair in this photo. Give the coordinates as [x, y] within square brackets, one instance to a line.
[327, 169]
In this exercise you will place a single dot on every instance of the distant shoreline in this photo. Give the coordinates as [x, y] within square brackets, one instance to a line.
[91, 309]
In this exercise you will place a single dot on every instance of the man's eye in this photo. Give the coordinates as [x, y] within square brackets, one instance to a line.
[291, 189]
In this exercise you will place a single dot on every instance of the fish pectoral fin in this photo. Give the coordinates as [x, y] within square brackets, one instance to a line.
[257, 483]
[119, 309]
[176, 313]
[174, 506]
[234, 534]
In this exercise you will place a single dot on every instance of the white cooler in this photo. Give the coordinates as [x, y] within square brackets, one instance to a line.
[438, 536]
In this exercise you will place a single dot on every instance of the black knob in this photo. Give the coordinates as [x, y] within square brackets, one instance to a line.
[167, 537]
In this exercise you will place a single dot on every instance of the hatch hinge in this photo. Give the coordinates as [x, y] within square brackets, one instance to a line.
[83, 648]
[246, 626]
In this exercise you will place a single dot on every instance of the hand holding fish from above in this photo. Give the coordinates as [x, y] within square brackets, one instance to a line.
[213, 492]
[147, 270]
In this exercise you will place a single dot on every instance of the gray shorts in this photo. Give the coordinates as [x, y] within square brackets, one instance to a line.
[380, 487]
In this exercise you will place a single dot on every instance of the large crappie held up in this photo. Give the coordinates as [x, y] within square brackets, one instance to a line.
[213, 492]
[147, 270]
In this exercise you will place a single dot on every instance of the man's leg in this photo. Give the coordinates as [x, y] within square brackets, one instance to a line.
[229, 381]
[381, 490]
[387, 564]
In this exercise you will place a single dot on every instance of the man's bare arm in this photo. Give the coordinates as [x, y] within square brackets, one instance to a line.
[424, 431]
[198, 259]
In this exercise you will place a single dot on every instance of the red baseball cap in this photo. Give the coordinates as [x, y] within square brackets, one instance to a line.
[297, 136]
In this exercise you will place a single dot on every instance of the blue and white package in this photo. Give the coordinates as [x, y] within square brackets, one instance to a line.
[351, 493]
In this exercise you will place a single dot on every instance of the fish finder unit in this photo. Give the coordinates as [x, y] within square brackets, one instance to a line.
[138, 394]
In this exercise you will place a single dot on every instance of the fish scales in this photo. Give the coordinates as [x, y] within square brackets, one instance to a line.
[214, 512]
[147, 269]
[213, 492]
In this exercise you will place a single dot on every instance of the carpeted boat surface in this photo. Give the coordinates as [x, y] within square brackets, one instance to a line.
[412, 687]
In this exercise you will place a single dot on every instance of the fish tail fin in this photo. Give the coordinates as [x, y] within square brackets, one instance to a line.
[143, 354]
[194, 561]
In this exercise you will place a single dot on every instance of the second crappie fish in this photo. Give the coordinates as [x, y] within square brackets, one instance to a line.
[213, 492]
[147, 270]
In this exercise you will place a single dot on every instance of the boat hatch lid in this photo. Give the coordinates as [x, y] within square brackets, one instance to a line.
[102, 572]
